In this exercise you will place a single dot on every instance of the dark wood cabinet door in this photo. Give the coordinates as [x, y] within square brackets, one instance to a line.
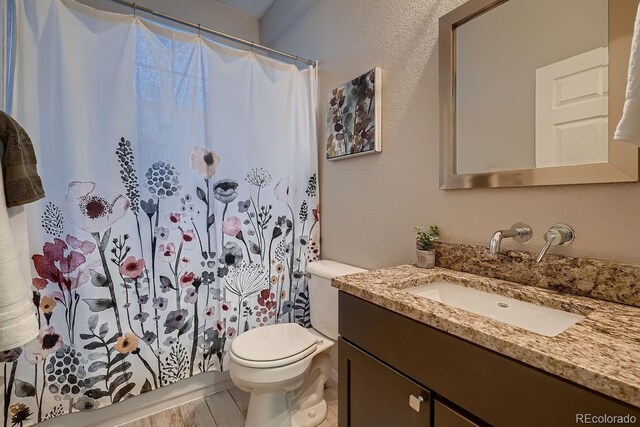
[371, 394]
[445, 416]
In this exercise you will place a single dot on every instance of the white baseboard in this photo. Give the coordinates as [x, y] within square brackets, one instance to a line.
[146, 404]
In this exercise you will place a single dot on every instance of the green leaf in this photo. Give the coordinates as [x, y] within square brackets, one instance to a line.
[211, 220]
[98, 364]
[99, 304]
[92, 322]
[105, 240]
[93, 345]
[123, 392]
[114, 338]
[86, 336]
[185, 328]
[90, 382]
[146, 386]
[23, 388]
[96, 393]
[118, 358]
[255, 249]
[104, 330]
[277, 232]
[166, 282]
[119, 381]
[201, 194]
[98, 279]
[118, 369]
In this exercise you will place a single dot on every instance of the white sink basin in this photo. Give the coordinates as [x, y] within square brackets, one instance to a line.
[532, 317]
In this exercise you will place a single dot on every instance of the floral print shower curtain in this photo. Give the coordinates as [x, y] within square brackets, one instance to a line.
[181, 204]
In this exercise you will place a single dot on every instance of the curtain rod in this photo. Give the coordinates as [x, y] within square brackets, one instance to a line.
[211, 31]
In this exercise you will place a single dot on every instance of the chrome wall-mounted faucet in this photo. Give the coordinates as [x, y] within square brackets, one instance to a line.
[519, 232]
[558, 235]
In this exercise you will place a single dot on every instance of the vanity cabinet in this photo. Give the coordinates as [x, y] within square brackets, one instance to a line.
[385, 358]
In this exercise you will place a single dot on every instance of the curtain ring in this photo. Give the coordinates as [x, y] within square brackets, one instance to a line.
[134, 10]
[252, 47]
[199, 30]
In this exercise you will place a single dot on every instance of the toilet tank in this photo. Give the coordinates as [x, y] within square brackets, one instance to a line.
[323, 298]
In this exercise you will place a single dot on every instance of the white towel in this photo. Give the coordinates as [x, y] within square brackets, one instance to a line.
[629, 127]
[18, 323]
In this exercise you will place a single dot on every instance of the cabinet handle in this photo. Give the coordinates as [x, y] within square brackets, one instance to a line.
[415, 402]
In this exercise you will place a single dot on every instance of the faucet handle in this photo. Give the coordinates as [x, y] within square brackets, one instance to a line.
[523, 232]
[557, 235]
[561, 234]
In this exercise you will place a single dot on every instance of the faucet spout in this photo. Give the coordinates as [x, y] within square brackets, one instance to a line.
[519, 232]
[496, 241]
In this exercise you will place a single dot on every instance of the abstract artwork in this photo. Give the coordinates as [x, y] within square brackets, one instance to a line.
[354, 117]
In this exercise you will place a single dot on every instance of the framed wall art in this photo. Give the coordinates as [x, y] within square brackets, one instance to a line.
[354, 117]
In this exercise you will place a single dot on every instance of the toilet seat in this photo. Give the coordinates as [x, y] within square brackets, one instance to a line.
[273, 346]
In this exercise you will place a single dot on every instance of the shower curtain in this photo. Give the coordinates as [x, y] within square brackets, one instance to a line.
[181, 204]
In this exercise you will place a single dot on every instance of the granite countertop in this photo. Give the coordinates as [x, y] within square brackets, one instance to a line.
[601, 352]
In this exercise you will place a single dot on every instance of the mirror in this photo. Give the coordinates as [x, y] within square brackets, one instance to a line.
[531, 91]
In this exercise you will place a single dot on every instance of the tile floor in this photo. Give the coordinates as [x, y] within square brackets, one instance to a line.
[225, 409]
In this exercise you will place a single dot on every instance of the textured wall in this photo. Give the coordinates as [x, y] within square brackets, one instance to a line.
[371, 203]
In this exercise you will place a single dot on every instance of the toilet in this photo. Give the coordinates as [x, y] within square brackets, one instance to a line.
[285, 366]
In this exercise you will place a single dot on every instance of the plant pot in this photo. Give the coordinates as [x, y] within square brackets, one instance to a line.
[426, 259]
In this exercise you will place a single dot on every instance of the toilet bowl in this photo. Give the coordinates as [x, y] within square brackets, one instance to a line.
[284, 367]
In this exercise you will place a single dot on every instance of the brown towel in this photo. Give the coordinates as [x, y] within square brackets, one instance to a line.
[22, 184]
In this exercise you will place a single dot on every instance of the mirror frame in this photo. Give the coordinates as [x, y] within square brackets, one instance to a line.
[624, 159]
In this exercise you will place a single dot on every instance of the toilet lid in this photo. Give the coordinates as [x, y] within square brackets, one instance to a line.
[275, 342]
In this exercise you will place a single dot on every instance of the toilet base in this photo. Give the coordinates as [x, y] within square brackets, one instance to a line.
[270, 410]
[310, 417]
[303, 407]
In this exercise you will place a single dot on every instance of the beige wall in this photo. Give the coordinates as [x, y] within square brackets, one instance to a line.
[497, 57]
[371, 203]
[208, 13]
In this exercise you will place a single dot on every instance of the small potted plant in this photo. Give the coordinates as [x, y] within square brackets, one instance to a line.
[424, 246]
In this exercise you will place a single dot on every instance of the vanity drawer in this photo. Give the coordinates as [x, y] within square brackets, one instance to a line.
[494, 388]
[444, 416]
[372, 394]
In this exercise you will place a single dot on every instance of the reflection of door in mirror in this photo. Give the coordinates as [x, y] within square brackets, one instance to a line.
[572, 110]
[514, 53]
